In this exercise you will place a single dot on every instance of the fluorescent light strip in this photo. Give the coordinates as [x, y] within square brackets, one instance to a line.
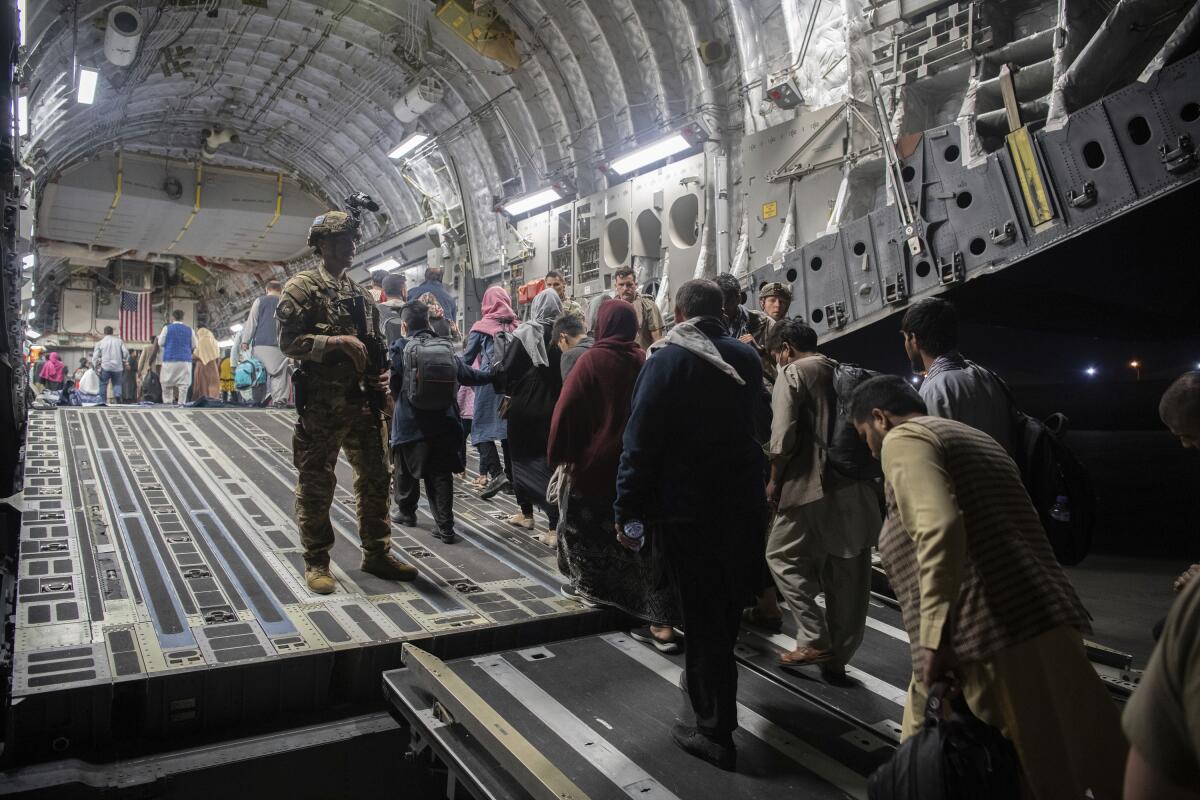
[225, 343]
[87, 86]
[236, 328]
[531, 201]
[23, 113]
[31, 334]
[21, 19]
[655, 151]
[389, 263]
[408, 145]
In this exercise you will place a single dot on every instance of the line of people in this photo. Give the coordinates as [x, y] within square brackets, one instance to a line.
[696, 479]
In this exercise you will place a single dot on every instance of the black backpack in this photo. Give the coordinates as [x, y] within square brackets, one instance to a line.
[1051, 471]
[430, 373]
[391, 329]
[846, 452]
[950, 759]
[501, 344]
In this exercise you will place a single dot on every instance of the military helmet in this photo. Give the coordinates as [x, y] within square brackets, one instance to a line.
[329, 223]
[776, 289]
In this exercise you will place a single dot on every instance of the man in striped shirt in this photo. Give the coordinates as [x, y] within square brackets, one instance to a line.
[986, 605]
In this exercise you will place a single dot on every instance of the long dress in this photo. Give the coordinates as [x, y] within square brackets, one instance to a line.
[207, 380]
[534, 391]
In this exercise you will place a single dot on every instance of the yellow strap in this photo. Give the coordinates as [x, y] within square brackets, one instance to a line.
[116, 196]
[195, 206]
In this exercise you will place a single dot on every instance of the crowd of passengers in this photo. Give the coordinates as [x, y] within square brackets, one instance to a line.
[685, 475]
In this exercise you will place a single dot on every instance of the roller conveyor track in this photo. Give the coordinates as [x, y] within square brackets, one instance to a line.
[598, 711]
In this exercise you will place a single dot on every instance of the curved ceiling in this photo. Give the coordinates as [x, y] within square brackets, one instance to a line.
[308, 87]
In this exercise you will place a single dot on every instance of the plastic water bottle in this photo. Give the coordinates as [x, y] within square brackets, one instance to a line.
[636, 531]
[1061, 510]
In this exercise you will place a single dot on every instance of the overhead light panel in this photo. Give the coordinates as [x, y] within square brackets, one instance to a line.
[23, 114]
[412, 142]
[31, 334]
[21, 19]
[86, 92]
[386, 264]
[225, 343]
[236, 328]
[557, 191]
[685, 139]
[529, 202]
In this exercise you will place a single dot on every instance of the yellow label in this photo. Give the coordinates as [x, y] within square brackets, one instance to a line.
[770, 210]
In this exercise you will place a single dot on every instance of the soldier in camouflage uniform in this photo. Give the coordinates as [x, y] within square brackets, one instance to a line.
[317, 328]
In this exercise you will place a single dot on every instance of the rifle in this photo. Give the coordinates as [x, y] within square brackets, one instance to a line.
[377, 355]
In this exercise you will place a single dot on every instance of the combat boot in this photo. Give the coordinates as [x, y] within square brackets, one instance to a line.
[387, 566]
[319, 579]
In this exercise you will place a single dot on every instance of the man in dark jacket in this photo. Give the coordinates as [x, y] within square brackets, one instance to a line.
[433, 285]
[691, 471]
[426, 445]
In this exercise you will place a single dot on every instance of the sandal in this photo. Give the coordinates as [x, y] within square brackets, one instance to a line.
[756, 619]
[480, 482]
[804, 656]
[521, 521]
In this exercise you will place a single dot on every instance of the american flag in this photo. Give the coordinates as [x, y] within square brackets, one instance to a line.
[135, 316]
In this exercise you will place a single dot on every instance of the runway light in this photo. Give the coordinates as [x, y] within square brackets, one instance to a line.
[529, 202]
[87, 86]
[412, 142]
[1090, 371]
[236, 328]
[386, 264]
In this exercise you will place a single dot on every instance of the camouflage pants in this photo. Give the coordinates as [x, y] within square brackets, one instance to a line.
[328, 425]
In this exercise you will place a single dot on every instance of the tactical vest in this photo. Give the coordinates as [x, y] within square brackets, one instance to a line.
[178, 345]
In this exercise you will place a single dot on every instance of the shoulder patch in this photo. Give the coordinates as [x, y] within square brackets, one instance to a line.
[285, 310]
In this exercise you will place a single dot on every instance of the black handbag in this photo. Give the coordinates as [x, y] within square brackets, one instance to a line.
[954, 755]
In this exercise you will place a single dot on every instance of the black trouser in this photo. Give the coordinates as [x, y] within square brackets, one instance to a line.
[489, 459]
[439, 489]
[711, 582]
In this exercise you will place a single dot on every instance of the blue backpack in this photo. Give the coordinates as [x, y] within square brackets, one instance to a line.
[249, 373]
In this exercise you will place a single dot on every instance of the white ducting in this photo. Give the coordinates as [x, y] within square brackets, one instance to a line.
[213, 139]
[122, 35]
[419, 99]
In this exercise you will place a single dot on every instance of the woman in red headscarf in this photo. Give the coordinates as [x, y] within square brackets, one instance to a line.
[487, 427]
[585, 434]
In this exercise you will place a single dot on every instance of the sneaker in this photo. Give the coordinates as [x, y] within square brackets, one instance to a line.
[388, 567]
[722, 754]
[521, 521]
[494, 486]
[449, 537]
[569, 592]
[644, 634]
[402, 519]
[319, 578]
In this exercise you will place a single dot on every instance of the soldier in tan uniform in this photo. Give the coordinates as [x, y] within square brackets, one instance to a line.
[650, 321]
[322, 318]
